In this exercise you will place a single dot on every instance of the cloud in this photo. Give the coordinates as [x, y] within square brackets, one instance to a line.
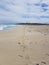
[15, 11]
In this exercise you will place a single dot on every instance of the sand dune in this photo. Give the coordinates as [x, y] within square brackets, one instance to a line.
[25, 45]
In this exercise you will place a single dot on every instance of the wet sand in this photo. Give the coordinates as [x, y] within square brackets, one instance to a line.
[25, 45]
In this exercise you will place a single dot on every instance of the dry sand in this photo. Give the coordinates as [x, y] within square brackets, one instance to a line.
[25, 45]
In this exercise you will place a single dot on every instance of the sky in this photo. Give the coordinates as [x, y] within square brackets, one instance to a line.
[24, 11]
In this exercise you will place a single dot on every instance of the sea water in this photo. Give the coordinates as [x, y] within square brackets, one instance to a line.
[6, 27]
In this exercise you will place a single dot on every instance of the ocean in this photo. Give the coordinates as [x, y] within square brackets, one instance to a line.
[6, 27]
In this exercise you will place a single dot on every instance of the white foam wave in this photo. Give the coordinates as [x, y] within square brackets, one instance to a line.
[5, 27]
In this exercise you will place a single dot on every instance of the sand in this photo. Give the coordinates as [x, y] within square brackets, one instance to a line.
[25, 45]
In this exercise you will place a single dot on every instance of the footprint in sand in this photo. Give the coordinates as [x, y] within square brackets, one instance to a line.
[43, 62]
[19, 43]
[20, 55]
[37, 64]
[47, 54]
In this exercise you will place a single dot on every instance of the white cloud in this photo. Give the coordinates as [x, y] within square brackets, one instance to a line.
[24, 11]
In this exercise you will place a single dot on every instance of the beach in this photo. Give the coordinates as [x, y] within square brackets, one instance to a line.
[25, 45]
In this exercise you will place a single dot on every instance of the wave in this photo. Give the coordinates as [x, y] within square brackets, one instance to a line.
[6, 27]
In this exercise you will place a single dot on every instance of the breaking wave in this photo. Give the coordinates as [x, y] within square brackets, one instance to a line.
[6, 27]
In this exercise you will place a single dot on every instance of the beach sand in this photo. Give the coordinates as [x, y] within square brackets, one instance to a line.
[25, 45]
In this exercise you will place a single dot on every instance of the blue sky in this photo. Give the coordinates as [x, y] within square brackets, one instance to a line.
[18, 11]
